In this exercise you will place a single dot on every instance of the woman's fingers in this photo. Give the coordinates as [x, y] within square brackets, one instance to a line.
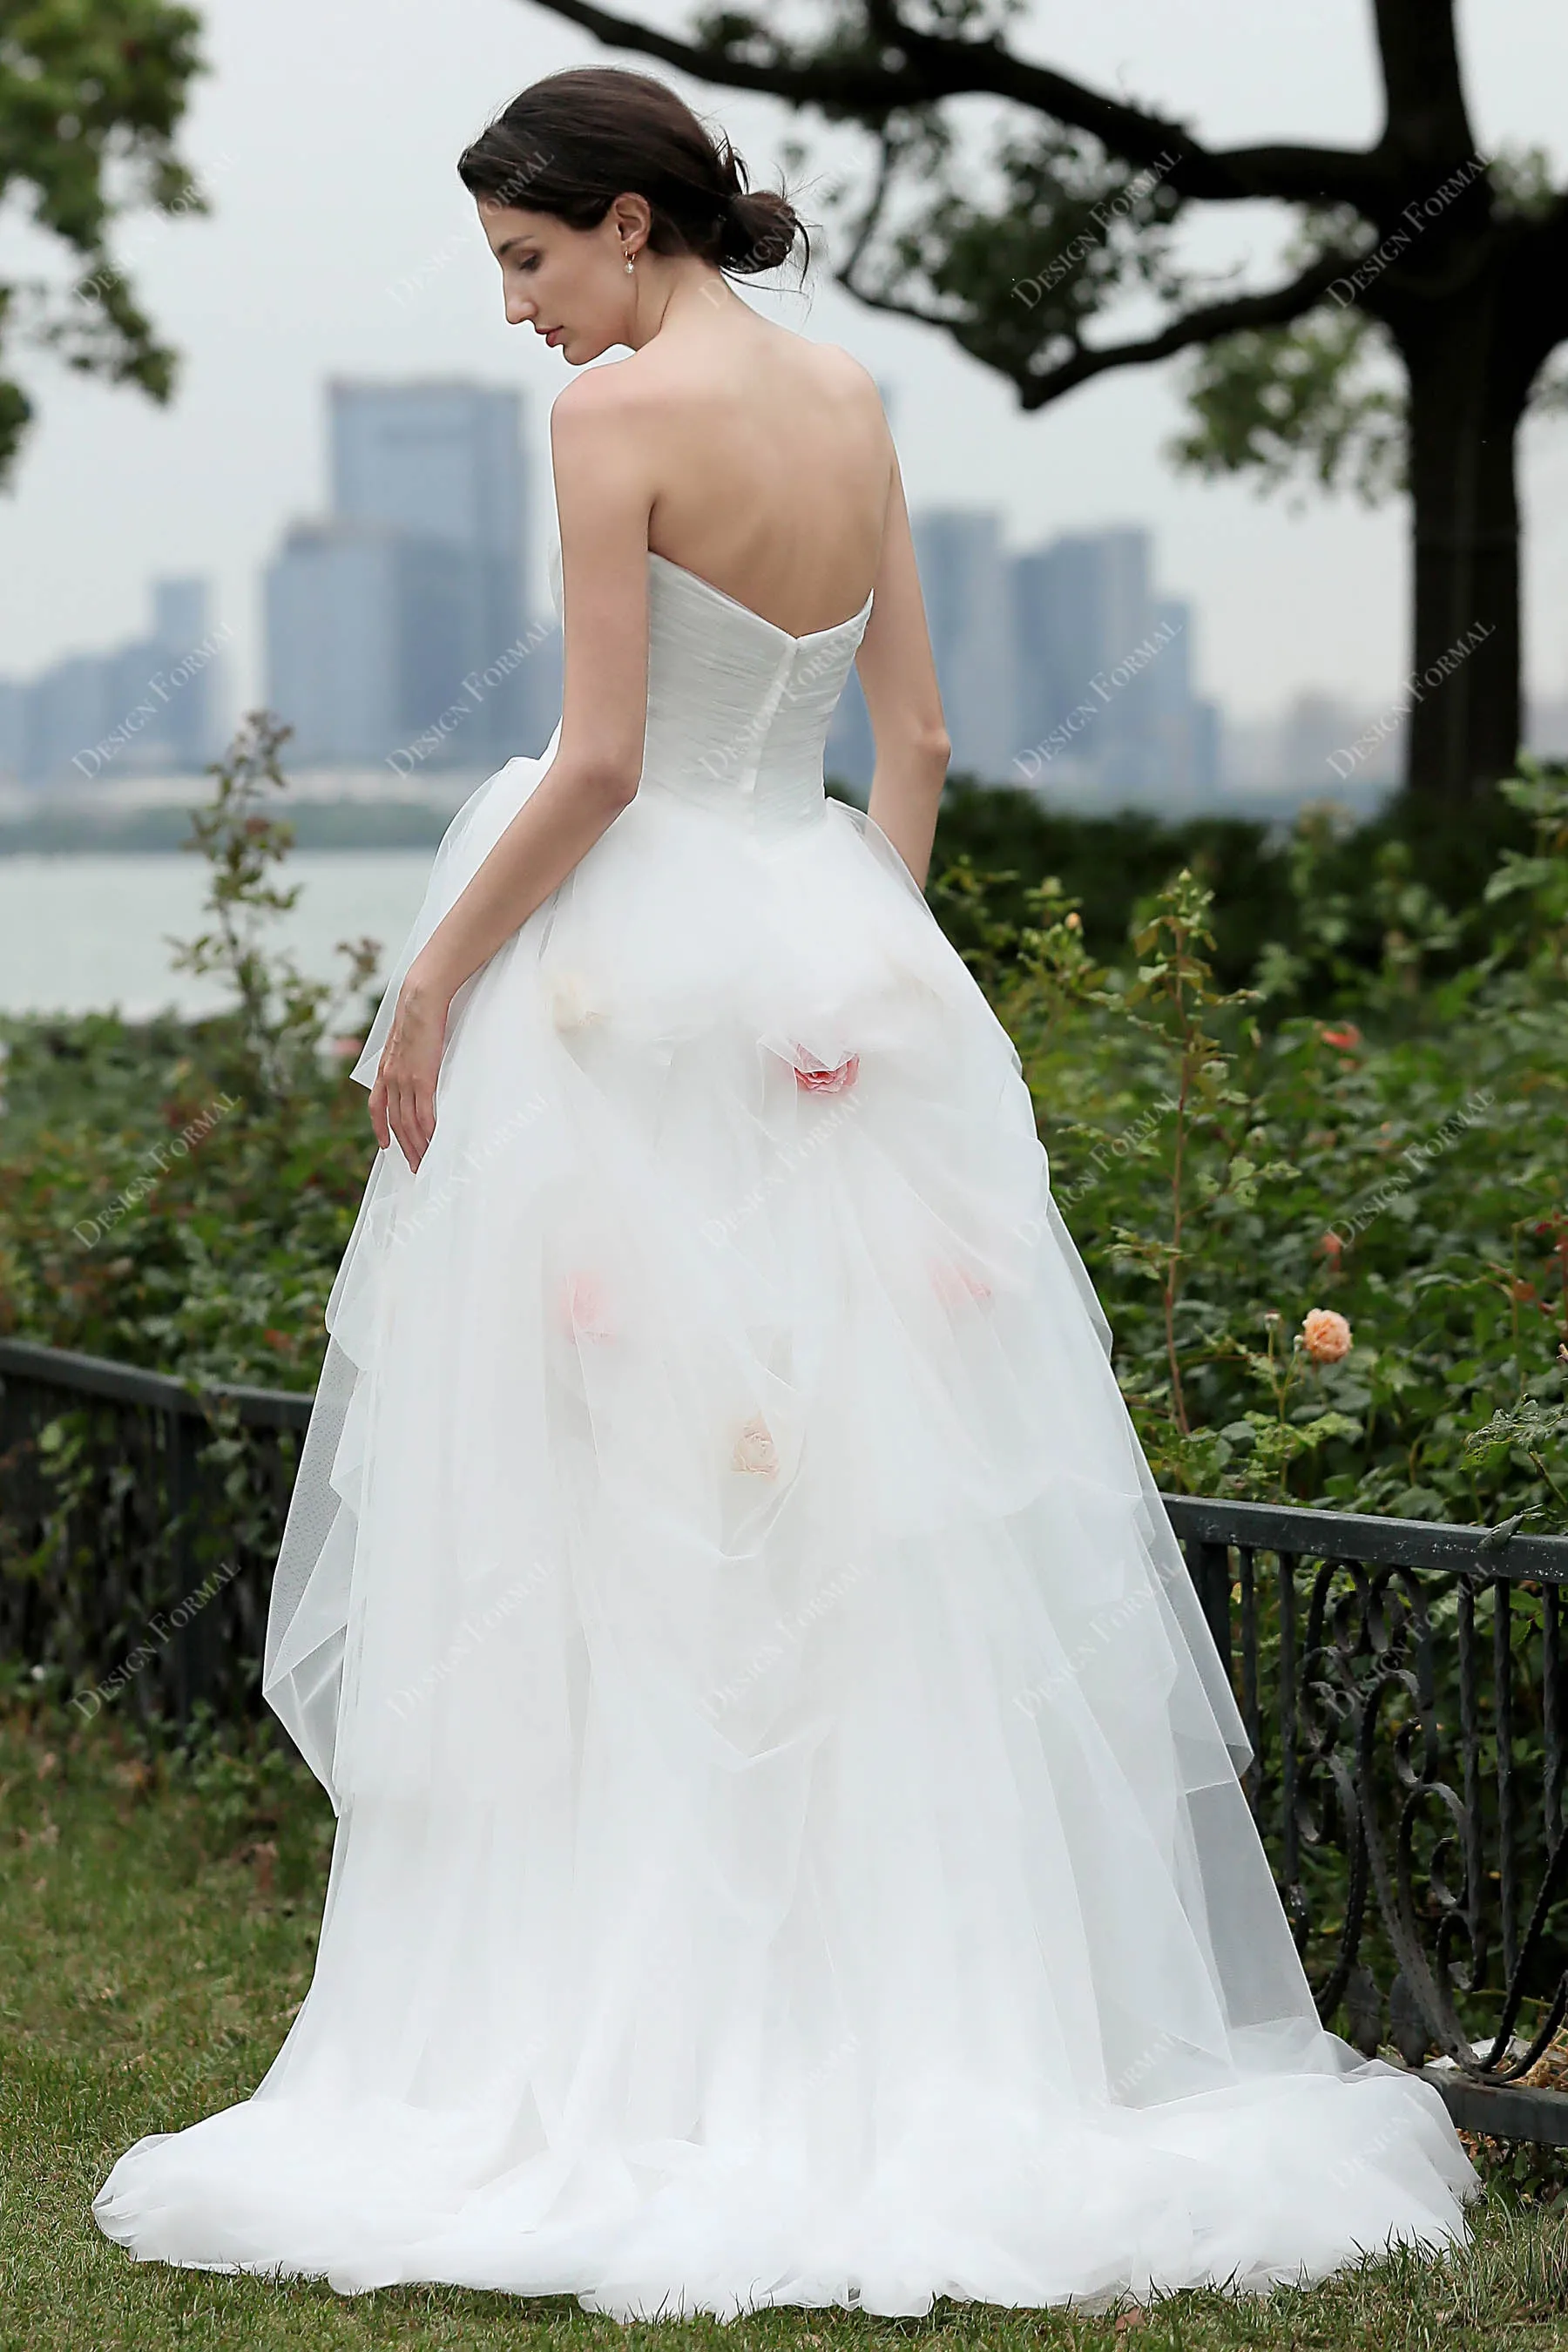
[411, 1114]
[407, 1074]
[424, 1111]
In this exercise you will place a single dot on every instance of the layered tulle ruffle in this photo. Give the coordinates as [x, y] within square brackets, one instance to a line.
[790, 1847]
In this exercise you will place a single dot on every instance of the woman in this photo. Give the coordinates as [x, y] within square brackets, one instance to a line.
[789, 1843]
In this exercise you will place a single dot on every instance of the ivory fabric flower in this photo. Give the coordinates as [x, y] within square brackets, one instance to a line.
[1326, 1336]
[754, 1448]
[570, 1004]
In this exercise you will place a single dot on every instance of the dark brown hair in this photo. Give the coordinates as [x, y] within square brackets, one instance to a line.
[569, 145]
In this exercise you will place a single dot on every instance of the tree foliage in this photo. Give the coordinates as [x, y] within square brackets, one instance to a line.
[1391, 327]
[91, 96]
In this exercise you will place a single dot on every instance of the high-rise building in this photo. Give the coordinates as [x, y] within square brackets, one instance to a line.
[965, 581]
[395, 628]
[12, 709]
[157, 706]
[1106, 707]
[1090, 647]
[1061, 669]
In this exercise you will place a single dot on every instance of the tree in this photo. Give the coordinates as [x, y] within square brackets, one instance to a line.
[91, 93]
[1424, 290]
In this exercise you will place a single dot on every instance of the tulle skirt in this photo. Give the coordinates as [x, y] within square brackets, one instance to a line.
[789, 1845]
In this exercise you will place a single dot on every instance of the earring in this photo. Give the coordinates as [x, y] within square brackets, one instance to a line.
[629, 271]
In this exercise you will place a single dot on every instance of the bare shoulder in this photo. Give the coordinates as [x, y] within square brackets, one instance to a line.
[853, 393]
[841, 368]
[599, 396]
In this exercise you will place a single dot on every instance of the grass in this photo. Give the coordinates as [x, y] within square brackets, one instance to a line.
[158, 1916]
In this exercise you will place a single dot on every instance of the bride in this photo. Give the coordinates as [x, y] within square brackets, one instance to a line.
[789, 1843]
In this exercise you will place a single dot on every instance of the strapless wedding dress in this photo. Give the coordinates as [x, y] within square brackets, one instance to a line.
[789, 1846]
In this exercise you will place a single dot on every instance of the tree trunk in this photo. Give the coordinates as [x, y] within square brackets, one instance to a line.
[1463, 693]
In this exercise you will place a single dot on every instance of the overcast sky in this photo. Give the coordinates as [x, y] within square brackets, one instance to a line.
[341, 242]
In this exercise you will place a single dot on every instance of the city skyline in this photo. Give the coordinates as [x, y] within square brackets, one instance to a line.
[366, 260]
[397, 638]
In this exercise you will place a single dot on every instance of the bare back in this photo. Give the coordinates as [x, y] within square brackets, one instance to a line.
[763, 463]
[773, 461]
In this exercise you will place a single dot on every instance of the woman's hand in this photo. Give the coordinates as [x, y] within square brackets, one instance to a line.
[403, 1099]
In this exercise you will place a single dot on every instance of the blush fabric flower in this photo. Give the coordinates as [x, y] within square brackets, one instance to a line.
[954, 1284]
[583, 1309]
[754, 1449]
[1325, 1336]
[816, 1079]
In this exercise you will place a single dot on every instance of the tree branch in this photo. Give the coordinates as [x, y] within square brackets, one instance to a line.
[1276, 307]
[907, 68]
[1424, 89]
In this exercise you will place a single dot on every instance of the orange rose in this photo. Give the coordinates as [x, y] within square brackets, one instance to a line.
[1326, 1336]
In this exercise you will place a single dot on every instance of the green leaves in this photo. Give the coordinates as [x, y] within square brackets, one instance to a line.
[179, 1195]
[1018, 256]
[1318, 402]
[91, 98]
[1403, 1163]
[284, 1017]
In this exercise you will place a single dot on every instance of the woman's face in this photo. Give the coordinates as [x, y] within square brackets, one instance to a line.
[571, 285]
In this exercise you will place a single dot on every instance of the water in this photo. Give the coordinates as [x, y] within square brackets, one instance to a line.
[84, 934]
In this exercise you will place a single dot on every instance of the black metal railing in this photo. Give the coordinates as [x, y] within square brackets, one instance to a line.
[1402, 1686]
[139, 1526]
[1400, 1683]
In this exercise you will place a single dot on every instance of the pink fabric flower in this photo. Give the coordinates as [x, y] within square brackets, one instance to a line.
[954, 1284]
[583, 1309]
[1326, 1336]
[817, 1080]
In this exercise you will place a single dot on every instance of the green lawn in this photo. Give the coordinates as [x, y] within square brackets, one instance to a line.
[156, 1927]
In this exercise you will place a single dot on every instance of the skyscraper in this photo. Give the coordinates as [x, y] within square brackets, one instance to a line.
[157, 706]
[395, 628]
[1084, 616]
[965, 581]
[1107, 707]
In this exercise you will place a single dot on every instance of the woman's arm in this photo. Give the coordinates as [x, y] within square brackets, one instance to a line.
[898, 676]
[603, 501]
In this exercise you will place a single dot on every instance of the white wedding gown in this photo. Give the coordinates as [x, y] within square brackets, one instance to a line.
[789, 1845]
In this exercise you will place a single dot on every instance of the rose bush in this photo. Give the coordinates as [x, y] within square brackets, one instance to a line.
[1369, 1146]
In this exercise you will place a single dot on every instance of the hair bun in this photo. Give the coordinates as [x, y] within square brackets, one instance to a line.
[761, 229]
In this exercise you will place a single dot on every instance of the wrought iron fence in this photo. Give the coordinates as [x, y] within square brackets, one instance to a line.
[1402, 1685]
[139, 1523]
